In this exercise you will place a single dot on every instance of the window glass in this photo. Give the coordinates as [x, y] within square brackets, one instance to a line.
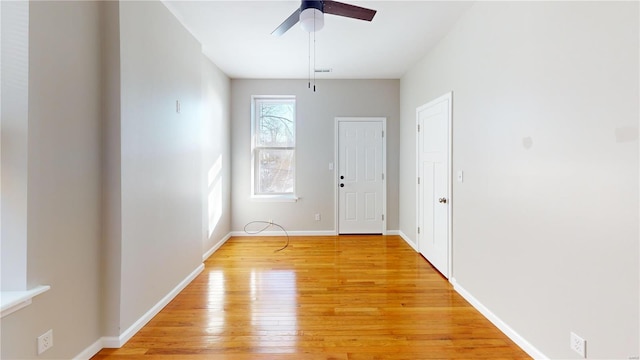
[273, 146]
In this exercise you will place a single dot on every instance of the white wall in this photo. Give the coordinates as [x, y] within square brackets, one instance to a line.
[63, 185]
[161, 156]
[111, 206]
[316, 114]
[545, 113]
[216, 155]
[115, 177]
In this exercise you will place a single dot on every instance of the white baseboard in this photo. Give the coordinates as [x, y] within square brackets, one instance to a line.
[215, 247]
[300, 233]
[133, 329]
[407, 240]
[506, 329]
[291, 233]
[111, 342]
[93, 349]
[119, 341]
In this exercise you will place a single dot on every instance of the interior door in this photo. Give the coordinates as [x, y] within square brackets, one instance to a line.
[434, 169]
[360, 176]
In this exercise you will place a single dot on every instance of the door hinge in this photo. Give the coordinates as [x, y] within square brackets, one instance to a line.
[382, 176]
[382, 217]
[418, 127]
[418, 180]
[418, 230]
[382, 133]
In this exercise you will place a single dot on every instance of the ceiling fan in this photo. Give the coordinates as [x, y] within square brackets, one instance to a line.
[311, 15]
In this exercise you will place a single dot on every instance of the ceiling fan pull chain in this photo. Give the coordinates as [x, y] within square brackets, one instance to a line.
[314, 62]
[309, 58]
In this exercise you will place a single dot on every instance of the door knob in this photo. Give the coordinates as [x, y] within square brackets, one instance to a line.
[341, 185]
[442, 200]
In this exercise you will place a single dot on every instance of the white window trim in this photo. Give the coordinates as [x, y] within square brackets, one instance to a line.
[12, 301]
[288, 197]
[15, 44]
[275, 198]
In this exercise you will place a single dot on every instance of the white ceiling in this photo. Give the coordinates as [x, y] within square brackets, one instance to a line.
[236, 36]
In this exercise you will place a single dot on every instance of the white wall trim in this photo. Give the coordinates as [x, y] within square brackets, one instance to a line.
[408, 241]
[144, 319]
[506, 329]
[110, 342]
[12, 301]
[291, 233]
[215, 247]
[307, 233]
[93, 349]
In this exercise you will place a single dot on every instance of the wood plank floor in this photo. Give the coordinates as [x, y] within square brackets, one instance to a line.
[335, 297]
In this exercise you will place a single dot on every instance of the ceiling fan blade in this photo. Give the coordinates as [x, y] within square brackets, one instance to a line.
[351, 11]
[287, 24]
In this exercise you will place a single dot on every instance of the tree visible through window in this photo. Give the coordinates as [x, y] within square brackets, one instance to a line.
[274, 141]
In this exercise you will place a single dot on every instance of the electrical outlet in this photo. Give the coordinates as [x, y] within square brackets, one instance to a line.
[578, 345]
[45, 341]
[317, 217]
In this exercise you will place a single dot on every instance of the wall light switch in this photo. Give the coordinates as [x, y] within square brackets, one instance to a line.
[459, 175]
[330, 166]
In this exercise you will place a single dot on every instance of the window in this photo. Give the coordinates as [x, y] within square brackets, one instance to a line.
[273, 147]
[15, 292]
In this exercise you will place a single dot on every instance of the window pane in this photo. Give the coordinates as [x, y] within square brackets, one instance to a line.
[276, 171]
[275, 125]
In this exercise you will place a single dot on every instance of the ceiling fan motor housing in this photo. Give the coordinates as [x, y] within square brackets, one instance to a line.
[312, 5]
[312, 15]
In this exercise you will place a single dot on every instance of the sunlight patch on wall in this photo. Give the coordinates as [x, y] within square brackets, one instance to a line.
[214, 200]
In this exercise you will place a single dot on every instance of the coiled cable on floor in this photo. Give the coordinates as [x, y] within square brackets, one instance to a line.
[267, 224]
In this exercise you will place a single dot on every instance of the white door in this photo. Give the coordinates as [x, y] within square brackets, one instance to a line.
[360, 183]
[434, 169]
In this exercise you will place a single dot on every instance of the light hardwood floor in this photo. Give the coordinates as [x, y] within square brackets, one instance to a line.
[335, 297]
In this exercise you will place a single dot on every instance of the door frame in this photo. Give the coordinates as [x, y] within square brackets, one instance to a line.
[336, 182]
[449, 97]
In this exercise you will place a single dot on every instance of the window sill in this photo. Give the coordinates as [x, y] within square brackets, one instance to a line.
[275, 198]
[12, 301]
